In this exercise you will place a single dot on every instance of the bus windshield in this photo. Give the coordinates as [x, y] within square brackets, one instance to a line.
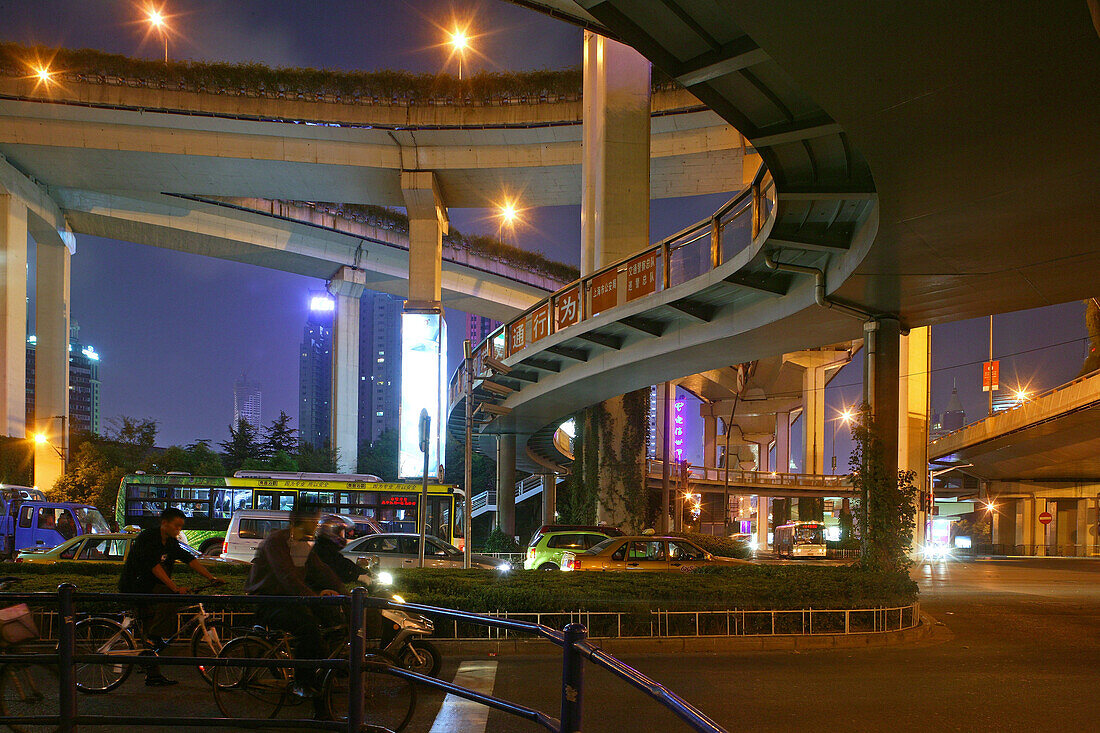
[808, 535]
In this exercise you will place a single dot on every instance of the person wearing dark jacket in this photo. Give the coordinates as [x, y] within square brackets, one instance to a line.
[286, 565]
[331, 539]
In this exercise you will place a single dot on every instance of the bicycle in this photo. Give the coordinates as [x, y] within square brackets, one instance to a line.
[108, 635]
[26, 688]
[266, 691]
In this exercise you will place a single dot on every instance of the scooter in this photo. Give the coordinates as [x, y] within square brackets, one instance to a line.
[403, 639]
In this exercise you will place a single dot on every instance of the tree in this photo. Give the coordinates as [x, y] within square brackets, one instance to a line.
[90, 478]
[380, 457]
[241, 446]
[484, 472]
[317, 460]
[885, 511]
[129, 441]
[280, 437]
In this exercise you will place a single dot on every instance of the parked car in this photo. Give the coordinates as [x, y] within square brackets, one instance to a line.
[644, 552]
[110, 547]
[401, 550]
[29, 521]
[547, 546]
[249, 527]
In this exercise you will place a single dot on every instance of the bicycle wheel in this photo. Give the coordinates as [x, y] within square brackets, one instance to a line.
[388, 701]
[252, 692]
[219, 631]
[29, 689]
[102, 636]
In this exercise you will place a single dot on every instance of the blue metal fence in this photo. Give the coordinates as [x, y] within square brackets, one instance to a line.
[573, 640]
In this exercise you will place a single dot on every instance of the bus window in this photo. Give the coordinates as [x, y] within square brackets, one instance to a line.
[227, 501]
[282, 501]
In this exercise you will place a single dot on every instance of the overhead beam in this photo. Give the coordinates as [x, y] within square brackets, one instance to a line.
[645, 325]
[760, 283]
[733, 56]
[698, 311]
[813, 244]
[826, 193]
[569, 352]
[797, 131]
[544, 365]
[602, 339]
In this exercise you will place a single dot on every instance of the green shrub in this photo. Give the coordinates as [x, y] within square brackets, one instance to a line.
[716, 545]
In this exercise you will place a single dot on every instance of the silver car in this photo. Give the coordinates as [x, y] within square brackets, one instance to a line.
[400, 550]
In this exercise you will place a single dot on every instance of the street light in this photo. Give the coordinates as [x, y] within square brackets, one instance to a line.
[460, 42]
[845, 417]
[157, 21]
[507, 216]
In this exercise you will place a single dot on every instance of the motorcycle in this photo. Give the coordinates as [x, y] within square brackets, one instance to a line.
[403, 639]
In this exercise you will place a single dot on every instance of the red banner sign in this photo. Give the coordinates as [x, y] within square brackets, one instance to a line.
[569, 308]
[517, 336]
[991, 375]
[605, 290]
[641, 276]
[540, 323]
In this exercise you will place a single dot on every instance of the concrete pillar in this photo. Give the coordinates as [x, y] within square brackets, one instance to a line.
[549, 498]
[710, 441]
[428, 223]
[615, 167]
[13, 316]
[813, 418]
[781, 512]
[913, 406]
[51, 360]
[346, 287]
[880, 384]
[1004, 526]
[764, 455]
[1081, 536]
[762, 511]
[782, 442]
[506, 484]
[1026, 522]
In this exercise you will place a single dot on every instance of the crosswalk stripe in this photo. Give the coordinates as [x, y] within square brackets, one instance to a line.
[458, 714]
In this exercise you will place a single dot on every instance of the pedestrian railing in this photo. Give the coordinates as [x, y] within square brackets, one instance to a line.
[1041, 550]
[572, 640]
[718, 623]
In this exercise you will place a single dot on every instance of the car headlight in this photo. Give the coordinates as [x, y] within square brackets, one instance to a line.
[505, 567]
[385, 578]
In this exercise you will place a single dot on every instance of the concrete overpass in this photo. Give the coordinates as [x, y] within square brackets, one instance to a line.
[1043, 455]
[902, 194]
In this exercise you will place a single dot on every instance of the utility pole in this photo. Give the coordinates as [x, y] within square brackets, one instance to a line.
[468, 478]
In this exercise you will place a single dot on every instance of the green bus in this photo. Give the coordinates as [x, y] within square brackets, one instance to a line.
[209, 501]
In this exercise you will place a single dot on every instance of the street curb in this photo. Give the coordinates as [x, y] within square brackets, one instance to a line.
[696, 644]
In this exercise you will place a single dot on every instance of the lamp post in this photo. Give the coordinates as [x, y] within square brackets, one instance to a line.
[43, 439]
[468, 478]
[156, 20]
[422, 511]
[459, 42]
[846, 418]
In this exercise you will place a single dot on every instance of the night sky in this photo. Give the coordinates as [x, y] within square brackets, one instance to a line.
[174, 330]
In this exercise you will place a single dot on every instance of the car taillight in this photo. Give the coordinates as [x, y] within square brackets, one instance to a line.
[530, 553]
[19, 559]
[567, 562]
[225, 547]
[576, 563]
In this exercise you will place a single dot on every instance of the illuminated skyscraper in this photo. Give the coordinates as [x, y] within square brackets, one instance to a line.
[83, 383]
[246, 402]
[379, 364]
[315, 372]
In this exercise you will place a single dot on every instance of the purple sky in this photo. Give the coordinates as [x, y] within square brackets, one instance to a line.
[175, 330]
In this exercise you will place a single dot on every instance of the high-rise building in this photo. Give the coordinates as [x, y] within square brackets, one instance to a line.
[315, 372]
[951, 419]
[246, 402]
[379, 364]
[83, 383]
[478, 328]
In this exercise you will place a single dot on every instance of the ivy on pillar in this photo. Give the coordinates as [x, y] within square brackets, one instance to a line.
[346, 287]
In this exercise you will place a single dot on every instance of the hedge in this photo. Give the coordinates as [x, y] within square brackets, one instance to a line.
[746, 587]
[383, 85]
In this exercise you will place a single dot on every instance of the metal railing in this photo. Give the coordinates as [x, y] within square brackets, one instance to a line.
[1039, 550]
[572, 640]
[692, 252]
[763, 478]
[716, 623]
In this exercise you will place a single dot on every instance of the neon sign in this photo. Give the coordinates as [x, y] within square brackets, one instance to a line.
[678, 431]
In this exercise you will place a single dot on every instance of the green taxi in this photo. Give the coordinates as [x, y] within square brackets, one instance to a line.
[551, 541]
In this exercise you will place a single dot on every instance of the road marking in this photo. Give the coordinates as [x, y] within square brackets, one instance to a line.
[459, 714]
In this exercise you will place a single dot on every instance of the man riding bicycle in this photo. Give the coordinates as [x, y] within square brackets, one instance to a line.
[285, 565]
[148, 569]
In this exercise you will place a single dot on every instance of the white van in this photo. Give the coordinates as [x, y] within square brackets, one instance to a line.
[249, 527]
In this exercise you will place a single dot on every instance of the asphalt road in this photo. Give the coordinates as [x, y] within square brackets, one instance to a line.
[1020, 651]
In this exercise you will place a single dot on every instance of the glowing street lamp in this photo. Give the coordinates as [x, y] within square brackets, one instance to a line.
[459, 43]
[507, 214]
[160, 24]
[846, 417]
[1022, 395]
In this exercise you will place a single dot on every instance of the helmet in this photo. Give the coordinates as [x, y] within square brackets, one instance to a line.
[334, 529]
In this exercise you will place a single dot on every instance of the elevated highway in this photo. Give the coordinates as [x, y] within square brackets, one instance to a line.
[903, 193]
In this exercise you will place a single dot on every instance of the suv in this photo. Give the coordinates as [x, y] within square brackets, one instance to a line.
[551, 541]
[249, 527]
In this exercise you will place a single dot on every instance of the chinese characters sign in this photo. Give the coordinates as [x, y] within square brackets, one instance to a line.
[540, 323]
[991, 375]
[569, 307]
[605, 290]
[641, 276]
[517, 336]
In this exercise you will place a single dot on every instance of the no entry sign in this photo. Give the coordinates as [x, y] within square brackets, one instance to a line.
[1046, 518]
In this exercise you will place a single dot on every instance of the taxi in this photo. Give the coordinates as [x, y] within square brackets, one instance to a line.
[645, 553]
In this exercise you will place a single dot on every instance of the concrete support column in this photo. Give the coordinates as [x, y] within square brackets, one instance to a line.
[782, 442]
[1004, 525]
[1081, 538]
[506, 484]
[549, 498]
[428, 223]
[615, 167]
[1026, 521]
[763, 447]
[13, 315]
[710, 441]
[346, 288]
[51, 360]
[913, 407]
[880, 384]
[762, 511]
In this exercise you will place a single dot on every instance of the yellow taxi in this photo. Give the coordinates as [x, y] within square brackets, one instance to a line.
[645, 553]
